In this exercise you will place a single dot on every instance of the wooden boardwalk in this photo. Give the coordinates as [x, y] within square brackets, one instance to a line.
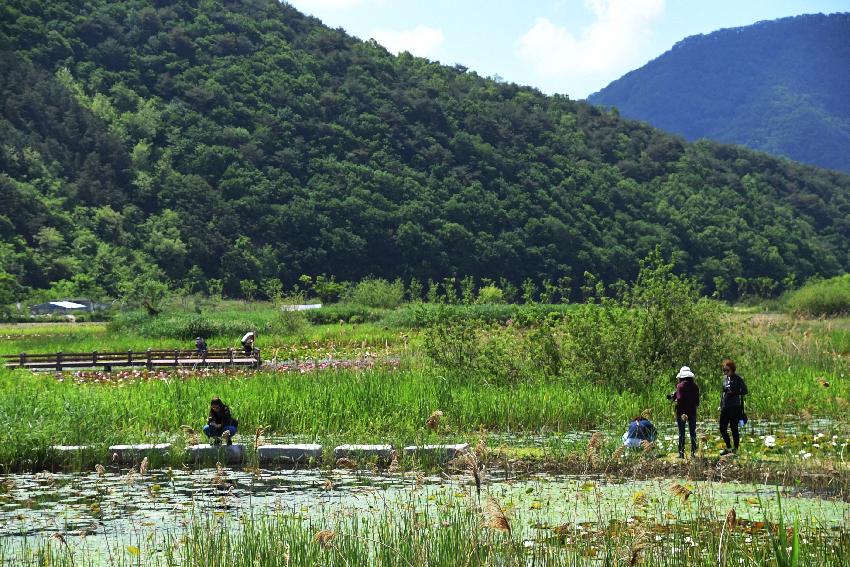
[148, 358]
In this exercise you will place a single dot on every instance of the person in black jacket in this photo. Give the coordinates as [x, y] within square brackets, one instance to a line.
[220, 423]
[686, 398]
[731, 406]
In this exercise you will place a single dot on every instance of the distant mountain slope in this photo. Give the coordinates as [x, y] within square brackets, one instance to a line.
[779, 86]
[238, 142]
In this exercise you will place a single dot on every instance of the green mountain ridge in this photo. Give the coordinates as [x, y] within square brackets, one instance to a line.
[240, 141]
[780, 86]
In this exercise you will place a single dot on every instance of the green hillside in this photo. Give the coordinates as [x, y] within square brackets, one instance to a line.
[780, 86]
[240, 140]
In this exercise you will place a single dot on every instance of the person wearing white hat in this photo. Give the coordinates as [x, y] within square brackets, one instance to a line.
[247, 341]
[686, 398]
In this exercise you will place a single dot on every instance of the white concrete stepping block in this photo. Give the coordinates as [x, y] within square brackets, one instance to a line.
[285, 454]
[132, 453]
[377, 452]
[70, 448]
[222, 453]
[436, 452]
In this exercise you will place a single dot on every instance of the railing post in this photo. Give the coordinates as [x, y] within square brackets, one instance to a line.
[94, 358]
[259, 359]
[23, 359]
[149, 363]
[59, 361]
[176, 357]
[130, 357]
[230, 350]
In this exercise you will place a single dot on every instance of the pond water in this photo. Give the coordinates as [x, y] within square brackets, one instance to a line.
[93, 512]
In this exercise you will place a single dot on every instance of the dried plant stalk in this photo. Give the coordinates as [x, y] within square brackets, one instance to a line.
[494, 516]
[467, 461]
[344, 463]
[731, 519]
[324, 537]
[433, 422]
[682, 492]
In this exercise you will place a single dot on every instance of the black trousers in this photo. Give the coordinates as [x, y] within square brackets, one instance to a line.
[730, 417]
[692, 427]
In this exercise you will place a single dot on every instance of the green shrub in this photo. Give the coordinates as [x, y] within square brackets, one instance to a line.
[182, 326]
[289, 321]
[331, 314]
[423, 315]
[490, 294]
[376, 292]
[658, 324]
[825, 298]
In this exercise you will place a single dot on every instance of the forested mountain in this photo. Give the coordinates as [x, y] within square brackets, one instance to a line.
[780, 86]
[239, 140]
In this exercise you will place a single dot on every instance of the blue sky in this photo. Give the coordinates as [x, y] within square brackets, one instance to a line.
[574, 47]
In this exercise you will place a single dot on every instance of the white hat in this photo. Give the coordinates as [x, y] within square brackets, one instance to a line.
[685, 372]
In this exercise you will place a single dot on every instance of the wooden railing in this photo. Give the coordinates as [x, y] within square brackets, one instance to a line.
[149, 358]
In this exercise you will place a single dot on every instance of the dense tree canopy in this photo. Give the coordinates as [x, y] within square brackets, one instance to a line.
[216, 142]
[780, 86]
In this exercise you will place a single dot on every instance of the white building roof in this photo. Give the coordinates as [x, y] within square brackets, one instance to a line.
[67, 305]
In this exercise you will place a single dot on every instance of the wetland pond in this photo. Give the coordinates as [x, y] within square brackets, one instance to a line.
[118, 509]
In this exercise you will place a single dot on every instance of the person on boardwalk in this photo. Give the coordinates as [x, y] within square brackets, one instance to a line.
[200, 346]
[248, 342]
[640, 430]
[731, 406]
[220, 424]
[686, 398]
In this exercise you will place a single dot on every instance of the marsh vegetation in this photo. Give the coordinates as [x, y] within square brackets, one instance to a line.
[541, 393]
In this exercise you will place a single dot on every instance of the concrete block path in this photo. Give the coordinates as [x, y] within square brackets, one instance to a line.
[289, 454]
[382, 453]
[436, 452]
[133, 453]
[230, 454]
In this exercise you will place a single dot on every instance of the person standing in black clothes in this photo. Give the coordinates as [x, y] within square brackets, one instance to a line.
[731, 406]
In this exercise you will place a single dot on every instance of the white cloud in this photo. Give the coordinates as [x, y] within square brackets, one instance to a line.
[610, 42]
[421, 40]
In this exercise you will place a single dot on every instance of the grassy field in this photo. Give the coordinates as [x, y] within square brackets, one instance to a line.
[799, 372]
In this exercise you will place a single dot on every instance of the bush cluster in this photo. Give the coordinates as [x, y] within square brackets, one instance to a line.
[824, 298]
[654, 326]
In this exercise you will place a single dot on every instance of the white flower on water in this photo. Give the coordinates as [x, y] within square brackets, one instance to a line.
[769, 441]
[807, 455]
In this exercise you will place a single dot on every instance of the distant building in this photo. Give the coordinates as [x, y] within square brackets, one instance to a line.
[66, 307]
[301, 307]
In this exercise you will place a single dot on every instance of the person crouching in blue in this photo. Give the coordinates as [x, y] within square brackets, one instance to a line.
[220, 424]
[640, 430]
